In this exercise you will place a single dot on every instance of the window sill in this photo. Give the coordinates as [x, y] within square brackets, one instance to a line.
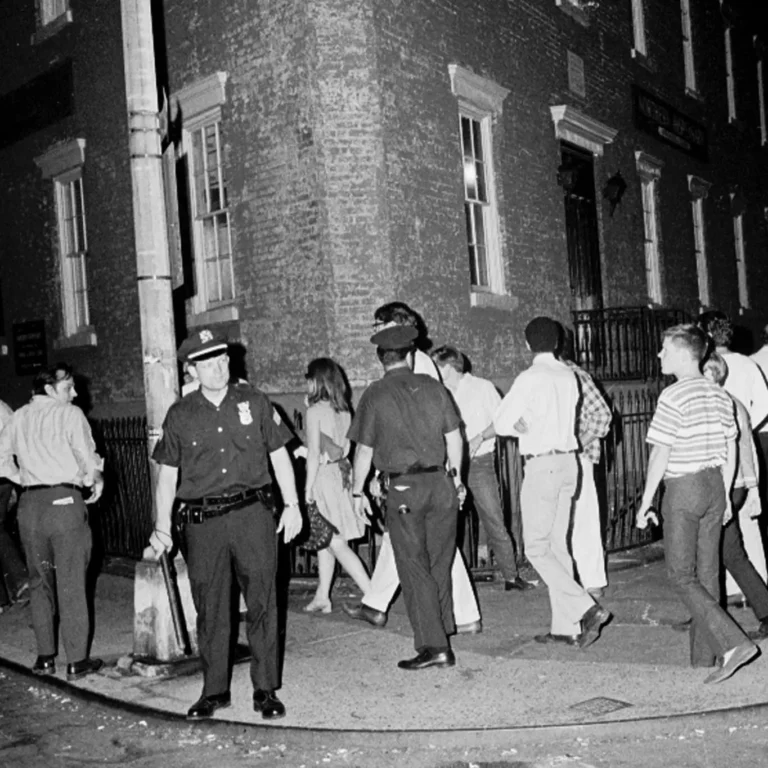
[52, 28]
[643, 60]
[226, 314]
[694, 94]
[83, 338]
[572, 10]
[493, 300]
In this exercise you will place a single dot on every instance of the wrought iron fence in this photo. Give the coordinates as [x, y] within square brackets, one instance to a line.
[622, 343]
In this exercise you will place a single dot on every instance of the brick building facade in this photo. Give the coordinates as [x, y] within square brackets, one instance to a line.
[334, 155]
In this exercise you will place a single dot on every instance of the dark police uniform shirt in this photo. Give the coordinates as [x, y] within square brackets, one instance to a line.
[404, 417]
[221, 449]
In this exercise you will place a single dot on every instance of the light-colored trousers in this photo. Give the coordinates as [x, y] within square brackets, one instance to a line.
[587, 538]
[546, 500]
[385, 583]
[753, 540]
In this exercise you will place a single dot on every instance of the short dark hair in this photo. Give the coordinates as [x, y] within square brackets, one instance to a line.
[691, 337]
[330, 383]
[391, 356]
[396, 312]
[50, 377]
[718, 325]
[543, 334]
[448, 355]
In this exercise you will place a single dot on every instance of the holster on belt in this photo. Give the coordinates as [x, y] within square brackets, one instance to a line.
[194, 511]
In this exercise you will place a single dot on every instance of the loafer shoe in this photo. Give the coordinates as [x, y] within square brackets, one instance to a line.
[761, 632]
[519, 584]
[592, 623]
[364, 613]
[473, 628]
[268, 704]
[205, 706]
[44, 665]
[732, 660]
[429, 658]
[561, 639]
[82, 668]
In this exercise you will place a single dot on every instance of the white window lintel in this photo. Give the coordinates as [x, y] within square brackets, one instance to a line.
[202, 96]
[648, 166]
[698, 187]
[61, 157]
[575, 127]
[479, 92]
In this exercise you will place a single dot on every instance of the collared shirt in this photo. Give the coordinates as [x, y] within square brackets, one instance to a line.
[221, 449]
[404, 417]
[695, 418]
[5, 414]
[52, 442]
[478, 400]
[746, 383]
[594, 417]
[546, 397]
[423, 363]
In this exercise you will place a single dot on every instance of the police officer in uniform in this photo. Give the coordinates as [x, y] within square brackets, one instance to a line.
[403, 425]
[220, 439]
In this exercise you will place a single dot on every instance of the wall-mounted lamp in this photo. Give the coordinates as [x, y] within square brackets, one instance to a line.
[567, 176]
[614, 190]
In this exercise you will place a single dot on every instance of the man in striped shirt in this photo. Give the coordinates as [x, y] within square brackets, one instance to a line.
[693, 449]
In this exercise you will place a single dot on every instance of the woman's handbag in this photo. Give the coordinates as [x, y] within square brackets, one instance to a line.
[321, 531]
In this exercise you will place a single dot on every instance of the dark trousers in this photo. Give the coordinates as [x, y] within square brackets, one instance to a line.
[693, 507]
[736, 560]
[13, 570]
[424, 543]
[57, 543]
[484, 487]
[244, 542]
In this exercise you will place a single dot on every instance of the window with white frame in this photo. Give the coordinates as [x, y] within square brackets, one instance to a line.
[699, 190]
[51, 10]
[688, 53]
[479, 101]
[761, 92]
[730, 82]
[209, 200]
[739, 247]
[649, 170]
[638, 28]
[63, 165]
[576, 9]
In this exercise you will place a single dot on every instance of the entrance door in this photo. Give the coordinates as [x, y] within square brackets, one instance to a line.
[578, 181]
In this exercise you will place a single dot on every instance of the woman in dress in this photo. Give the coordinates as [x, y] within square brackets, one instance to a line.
[329, 477]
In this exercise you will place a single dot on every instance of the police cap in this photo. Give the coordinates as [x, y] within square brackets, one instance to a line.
[201, 345]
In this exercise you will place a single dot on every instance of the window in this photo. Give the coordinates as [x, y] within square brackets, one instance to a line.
[201, 105]
[739, 247]
[479, 100]
[638, 28]
[699, 190]
[649, 170]
[576, 9]
[63, 165]
[52, 15]
[761, 93]
[730, 83]
[576, 79]
[688, 58]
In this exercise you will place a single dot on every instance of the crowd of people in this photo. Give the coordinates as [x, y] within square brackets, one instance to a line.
[420, 443]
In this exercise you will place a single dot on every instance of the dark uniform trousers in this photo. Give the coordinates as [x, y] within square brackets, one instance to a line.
[243, 540]
[57, 543]
[424, 543]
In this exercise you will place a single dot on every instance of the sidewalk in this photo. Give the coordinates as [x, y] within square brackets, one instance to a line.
[342, 675]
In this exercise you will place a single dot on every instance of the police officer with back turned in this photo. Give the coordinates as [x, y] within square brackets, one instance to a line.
[221, 439]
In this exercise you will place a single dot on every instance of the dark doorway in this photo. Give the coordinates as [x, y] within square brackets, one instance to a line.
[578, 182]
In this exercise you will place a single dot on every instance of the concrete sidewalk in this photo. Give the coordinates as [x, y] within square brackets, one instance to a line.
[342, 675]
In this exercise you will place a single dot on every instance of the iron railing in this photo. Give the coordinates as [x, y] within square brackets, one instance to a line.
[622, 343]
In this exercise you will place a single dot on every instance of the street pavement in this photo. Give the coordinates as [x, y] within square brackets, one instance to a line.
[342, 675]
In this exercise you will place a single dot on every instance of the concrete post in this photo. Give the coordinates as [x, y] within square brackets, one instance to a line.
[153, 272]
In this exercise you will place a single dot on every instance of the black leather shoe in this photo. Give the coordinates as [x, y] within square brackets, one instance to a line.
[44, 665]
[82, 668]
[268, 704]
[519, 584]
[591, 624]
[365, 613]
[205, 706]
[429, 658]
[561, 639]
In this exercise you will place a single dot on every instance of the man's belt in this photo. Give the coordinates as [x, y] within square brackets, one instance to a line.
[553, 452]
[198, 510]
[71, 486]
[415, 471]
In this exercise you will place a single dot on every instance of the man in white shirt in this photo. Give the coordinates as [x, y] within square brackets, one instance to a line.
[385, 580]
[540, 410]
[761, 358]
[477, 400]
